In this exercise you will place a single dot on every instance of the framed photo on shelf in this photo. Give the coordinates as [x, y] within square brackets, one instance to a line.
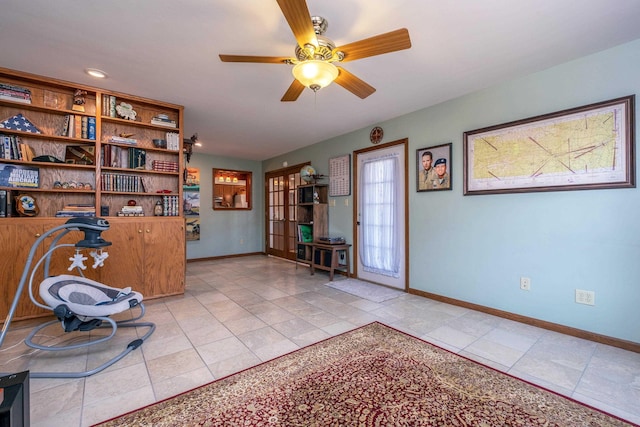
[588, 147]
[433, 168]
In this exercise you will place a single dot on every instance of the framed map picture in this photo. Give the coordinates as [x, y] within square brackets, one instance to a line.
[589, 147]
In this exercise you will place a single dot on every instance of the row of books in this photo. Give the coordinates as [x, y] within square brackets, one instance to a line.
[120, 157]
[76, 126]
[77, 210]
[122, 182]
[163, 120]
[6, 204]
[173, 141]
[15, 93]
[123, 140]
[170, 206]
[164, 166]
[131, 211]
[12, 148]
[109, 106]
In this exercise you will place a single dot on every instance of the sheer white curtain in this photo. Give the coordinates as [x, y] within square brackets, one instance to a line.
[379, 215]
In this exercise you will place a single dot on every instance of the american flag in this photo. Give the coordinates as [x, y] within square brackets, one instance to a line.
[19, 122]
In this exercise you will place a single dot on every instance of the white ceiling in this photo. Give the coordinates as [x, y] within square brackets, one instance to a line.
[168, 50]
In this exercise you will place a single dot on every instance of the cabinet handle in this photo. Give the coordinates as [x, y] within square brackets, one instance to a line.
[148, 231]
[37, 234]
[139, 231]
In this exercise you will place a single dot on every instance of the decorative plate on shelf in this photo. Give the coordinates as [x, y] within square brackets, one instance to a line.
[126, 111]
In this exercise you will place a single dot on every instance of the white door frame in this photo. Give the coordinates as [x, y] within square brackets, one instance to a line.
[403, 281]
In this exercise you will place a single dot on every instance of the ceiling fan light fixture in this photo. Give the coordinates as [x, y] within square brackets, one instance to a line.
[315, 74]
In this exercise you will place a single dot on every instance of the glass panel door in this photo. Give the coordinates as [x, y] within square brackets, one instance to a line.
[281, 203]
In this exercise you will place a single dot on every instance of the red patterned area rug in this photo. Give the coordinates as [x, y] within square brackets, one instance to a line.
[371, 376]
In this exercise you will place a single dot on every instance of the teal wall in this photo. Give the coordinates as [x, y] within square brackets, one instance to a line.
[476, 248]
[227, 232]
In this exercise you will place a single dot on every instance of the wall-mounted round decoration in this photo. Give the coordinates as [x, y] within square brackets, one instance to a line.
[376, 135]
[26, 205]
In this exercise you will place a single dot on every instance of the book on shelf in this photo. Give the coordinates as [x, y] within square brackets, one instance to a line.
[85, 126]
[19, 176]
[77, 126]
[10, 147]
[120, 182]
[77, 210]
[15, 98]
[80, 207]
[112, 106]
[65, 125]
[15, 88]
[137, 158]
[27, 152]
[3, 203]
[74, 214]
[305, 233]
[164, 166]
[163, 122]
[15, 93]
[170, 206]
[91, 128]
[123, 140]
[173, 141]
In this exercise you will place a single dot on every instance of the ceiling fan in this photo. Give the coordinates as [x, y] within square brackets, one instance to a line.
[316, 55]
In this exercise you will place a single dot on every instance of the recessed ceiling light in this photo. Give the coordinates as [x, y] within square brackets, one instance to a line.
[94, 72]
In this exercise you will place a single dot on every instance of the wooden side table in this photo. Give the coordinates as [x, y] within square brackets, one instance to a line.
[324, 250]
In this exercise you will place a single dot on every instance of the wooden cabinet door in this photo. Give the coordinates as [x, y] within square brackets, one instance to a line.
[164, 260]
[16, 242]
[125, 265]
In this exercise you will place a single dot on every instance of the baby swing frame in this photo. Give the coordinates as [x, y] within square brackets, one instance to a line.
[95, 308]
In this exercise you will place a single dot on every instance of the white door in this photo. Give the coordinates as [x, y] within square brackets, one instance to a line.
[381, 220]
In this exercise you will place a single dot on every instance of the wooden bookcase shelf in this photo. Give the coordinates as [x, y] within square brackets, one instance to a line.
[52, 101]
[149, 252]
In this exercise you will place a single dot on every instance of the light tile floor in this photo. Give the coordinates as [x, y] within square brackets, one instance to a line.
[239, 312]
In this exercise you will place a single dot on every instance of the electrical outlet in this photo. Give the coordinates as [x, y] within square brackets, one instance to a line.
[585, 297]
[525, 283]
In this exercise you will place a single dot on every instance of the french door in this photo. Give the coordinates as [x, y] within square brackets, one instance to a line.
[280, 211]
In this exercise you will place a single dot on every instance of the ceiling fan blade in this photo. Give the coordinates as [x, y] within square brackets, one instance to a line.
[353, 84]
[377, 45]
[260, 59]
[293, 92]
[297, 15]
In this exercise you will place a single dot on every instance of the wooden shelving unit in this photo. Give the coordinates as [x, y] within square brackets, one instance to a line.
[148, 252]
[312, 214]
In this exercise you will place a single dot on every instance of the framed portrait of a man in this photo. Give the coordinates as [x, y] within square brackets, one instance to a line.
[433, 168]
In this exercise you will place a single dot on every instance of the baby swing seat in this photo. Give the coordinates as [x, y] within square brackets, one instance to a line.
[79, 303]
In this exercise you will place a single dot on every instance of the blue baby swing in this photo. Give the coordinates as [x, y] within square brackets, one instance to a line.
[79, 303]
